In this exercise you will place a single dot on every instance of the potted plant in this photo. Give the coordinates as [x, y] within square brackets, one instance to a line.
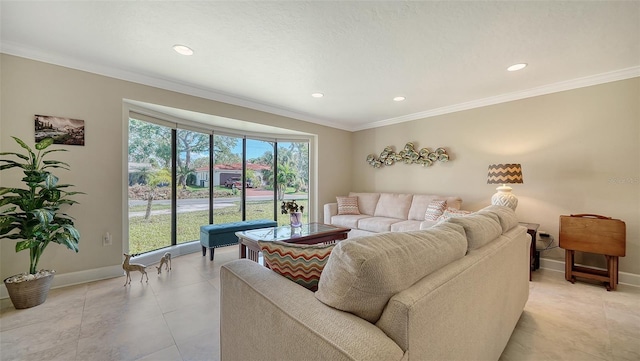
[32, 215]
[295, 216]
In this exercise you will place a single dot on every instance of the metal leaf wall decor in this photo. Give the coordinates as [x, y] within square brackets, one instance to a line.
[408, 155]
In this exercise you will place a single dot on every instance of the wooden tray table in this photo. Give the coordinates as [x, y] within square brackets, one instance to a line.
[592, 233]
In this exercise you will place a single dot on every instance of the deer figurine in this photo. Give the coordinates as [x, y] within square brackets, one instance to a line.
[165, 260]
[128, 267]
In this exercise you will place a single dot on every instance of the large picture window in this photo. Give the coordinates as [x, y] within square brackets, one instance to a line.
[180, 179]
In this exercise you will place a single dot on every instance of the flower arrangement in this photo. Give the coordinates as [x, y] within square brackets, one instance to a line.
[295, 212]
[291, 207]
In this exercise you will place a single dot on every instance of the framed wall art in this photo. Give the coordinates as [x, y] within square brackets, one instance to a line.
[63, 130]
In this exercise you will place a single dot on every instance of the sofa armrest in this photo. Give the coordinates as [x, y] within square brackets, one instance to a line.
[468, 309]
[330, 210]
[264, 316]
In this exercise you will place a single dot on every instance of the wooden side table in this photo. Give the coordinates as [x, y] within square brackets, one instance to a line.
[597, 234]
[532, 229]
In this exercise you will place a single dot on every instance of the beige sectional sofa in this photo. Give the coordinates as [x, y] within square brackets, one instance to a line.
[454, 291]
[387, 212]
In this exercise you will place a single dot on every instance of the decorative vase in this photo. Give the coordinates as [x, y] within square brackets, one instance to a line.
[29, 293]
[295, 219]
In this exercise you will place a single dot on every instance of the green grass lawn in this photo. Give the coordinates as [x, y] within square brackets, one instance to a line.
[155, 233]
[154, 207]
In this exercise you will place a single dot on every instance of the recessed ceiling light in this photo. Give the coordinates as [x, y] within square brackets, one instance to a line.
[515, 67]
[317, 95]
[399, 99]
[183, 49]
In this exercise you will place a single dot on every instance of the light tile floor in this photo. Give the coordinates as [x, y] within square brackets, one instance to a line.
[176, 317]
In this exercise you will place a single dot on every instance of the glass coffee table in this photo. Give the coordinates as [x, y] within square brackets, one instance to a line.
[309, 233]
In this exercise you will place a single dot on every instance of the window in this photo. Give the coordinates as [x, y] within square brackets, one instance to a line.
[192, 195]
[228, 191]
[150, 190]
[293, 176]
[258, 169]
[180, 179]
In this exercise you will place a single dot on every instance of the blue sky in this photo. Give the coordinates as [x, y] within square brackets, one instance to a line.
[254, 148]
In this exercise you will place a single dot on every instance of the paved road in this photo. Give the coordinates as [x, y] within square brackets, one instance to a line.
[201, 204]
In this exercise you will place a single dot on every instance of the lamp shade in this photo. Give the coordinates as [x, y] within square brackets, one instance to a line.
[504, 174]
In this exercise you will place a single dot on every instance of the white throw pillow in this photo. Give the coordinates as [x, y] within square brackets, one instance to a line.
[479, 228]
[506, 216]
[452, 212]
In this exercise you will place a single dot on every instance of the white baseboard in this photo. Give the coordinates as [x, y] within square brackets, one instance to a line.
[96, 274]
[629, 279]
[178, 250]
[74, 278]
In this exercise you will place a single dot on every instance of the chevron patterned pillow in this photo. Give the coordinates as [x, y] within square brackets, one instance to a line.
[347, 205]
[301, 263]
[435, 210]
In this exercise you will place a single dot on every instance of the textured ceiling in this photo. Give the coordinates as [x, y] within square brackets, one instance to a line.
[441, 55]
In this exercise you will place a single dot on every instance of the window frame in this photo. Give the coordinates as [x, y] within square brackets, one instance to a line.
[140, 113]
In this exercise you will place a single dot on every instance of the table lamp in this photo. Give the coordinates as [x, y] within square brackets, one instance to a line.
[504, 174]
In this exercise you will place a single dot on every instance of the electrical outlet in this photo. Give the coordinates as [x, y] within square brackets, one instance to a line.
[106, 239]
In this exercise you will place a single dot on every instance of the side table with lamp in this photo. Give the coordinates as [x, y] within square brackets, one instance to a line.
[504, 174]
[511, 173]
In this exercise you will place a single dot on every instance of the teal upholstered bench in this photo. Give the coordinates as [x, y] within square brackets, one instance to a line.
[213, 236]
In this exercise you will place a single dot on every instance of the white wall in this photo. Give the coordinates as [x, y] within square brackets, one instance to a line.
[579, 150]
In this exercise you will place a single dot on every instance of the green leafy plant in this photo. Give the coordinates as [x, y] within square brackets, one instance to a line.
[33, 215]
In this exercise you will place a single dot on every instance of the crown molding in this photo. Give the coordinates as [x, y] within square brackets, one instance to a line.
[73, 63]
[68, 62]
[608, 77]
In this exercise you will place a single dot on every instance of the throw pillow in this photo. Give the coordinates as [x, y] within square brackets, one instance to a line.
[435, 210]
[479, 228]
[506, 216]
[347, 205]
[301, 263]
[452, 213]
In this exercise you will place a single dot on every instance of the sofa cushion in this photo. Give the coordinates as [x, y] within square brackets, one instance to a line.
[420, 202]
[435, 210]
[362, 274]
[479, 228]
[347, 205]
[406, 226]
[348, 220]
[377, 224]
[506, 216]
[393, 205]
[300, 263]
[366, 202]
